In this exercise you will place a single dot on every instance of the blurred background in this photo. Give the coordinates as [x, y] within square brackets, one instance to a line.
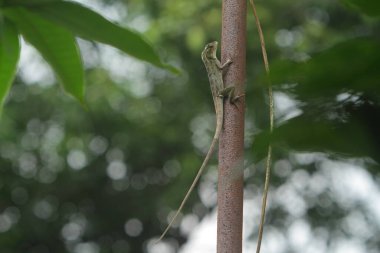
[105, 179]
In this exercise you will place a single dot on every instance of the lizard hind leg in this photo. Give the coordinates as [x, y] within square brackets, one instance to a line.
[229, 92]
[233, 99]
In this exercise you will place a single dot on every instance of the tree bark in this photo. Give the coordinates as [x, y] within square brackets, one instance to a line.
[231, 145]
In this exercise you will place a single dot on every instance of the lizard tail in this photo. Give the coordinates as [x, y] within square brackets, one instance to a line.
[196, 179]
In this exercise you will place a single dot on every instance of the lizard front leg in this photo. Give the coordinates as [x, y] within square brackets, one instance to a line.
[222, 66]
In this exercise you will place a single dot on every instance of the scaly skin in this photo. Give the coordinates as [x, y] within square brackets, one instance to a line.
[214, 69]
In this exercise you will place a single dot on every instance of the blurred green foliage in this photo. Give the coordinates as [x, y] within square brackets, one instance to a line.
[51, 26]
[105, 179]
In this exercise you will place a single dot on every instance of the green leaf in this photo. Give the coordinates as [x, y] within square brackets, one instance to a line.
[15, 3]
[310, 134]
[56, 45]
[9, 55]
[369, 7]
[351, 66]
[338, 92]
[90, 25]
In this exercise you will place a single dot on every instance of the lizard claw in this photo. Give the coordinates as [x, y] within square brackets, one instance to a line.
[236, 98]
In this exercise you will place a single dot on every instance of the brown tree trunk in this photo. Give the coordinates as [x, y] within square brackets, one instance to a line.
[231, 146]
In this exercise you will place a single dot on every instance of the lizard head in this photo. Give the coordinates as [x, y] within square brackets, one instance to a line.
[210, 50]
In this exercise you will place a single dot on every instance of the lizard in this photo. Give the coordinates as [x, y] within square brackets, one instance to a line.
[214, 69]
